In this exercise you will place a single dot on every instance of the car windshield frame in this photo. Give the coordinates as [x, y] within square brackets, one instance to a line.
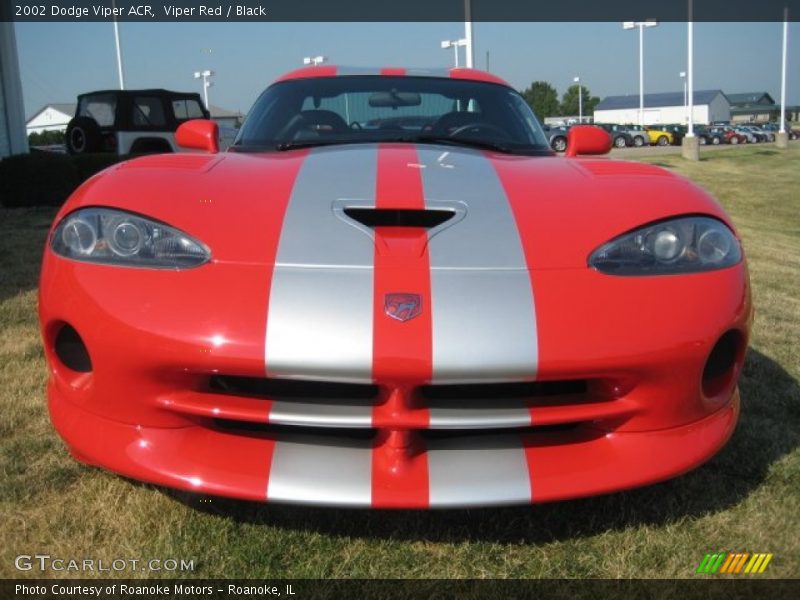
[388, 108]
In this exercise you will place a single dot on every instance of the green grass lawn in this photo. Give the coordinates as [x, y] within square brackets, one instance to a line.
[745, 499]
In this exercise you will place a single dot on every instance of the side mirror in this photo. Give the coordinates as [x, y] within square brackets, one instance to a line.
[198, 134]
[587, 139]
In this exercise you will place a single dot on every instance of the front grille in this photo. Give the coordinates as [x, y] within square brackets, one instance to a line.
[291, 388]
[340, 406]
[535, 391]
[288, 433]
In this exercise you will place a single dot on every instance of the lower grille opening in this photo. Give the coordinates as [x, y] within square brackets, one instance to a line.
[287, 432]
[499, 394]
[292, 388]
[315, 405]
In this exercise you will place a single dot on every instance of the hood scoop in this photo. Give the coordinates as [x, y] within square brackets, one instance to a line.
[400, 231]
[428, 218]
[365, 216]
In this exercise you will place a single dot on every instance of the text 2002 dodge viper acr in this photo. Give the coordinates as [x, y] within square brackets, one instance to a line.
[390, 293]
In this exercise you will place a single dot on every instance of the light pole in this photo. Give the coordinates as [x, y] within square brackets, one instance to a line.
[468, 33]
[783, 70]
[580, 99]
[454, 44]
[641, 25]
[685, 94]
[690, 143]
[205, 76]
[119, 48]
[690, 71]
[314, 60]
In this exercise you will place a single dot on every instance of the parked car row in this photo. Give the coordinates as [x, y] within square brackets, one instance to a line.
[627, 136]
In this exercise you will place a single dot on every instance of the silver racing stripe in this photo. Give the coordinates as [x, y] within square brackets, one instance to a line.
[316, 470]
[478, 471]
[311, 236]
[478, 418]
[343, 71]
[412, 72]
[354, 413]
[319, 323]
[484, 323]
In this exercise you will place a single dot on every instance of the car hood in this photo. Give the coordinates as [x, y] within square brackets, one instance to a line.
[241, 205]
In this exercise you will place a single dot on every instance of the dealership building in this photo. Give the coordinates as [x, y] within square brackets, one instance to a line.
[670, 107]
[758, 107]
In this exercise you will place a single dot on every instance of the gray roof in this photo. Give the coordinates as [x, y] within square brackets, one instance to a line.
[222, 113]
[701, 97]
[63, 107]
[750, 98]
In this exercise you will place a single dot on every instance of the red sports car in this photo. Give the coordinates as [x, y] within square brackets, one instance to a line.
[390, 292]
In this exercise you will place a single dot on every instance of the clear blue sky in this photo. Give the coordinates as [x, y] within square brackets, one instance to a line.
[60, 60]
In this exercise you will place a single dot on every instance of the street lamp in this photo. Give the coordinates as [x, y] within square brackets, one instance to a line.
[682, 75]
[314, 60]
[454, 44]
[641, 25]
[205, 75]
[580, 99]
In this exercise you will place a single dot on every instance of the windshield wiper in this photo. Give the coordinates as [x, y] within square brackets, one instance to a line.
[413, 139]
[468, 142]
[283, 146]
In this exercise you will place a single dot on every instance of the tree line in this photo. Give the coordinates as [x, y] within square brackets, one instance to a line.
[543, 99]
[45, 138]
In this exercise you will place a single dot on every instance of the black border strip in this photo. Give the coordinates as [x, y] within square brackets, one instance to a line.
[398, 10]
[701, 587]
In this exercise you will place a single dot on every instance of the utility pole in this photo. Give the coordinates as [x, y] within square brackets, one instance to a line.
[468, 33]
[119, 49]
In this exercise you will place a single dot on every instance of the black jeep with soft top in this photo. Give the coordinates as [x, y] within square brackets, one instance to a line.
[131, 121]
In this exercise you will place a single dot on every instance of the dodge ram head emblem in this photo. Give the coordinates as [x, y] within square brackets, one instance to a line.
[402, 307]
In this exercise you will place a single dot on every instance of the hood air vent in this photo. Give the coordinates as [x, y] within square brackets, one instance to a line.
[397, 217]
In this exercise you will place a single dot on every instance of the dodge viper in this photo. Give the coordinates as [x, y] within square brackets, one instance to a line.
[390, 292]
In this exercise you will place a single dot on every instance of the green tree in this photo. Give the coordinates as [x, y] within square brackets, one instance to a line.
[46, 138]
[569, 101]
[542, 98]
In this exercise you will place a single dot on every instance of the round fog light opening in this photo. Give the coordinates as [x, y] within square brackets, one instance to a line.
[719, 369]
[71, 350]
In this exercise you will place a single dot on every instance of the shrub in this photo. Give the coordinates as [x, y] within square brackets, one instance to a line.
[37, 179]
[89, 164]
[47, 178]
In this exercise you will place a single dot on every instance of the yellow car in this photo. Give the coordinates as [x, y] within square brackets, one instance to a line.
[659, 137]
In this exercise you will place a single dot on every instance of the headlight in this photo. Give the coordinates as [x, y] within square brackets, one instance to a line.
[110, 236]
[681, 245]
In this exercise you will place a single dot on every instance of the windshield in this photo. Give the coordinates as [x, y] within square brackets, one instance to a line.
[362, 109]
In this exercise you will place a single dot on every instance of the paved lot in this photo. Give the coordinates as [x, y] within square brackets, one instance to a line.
[634, 153]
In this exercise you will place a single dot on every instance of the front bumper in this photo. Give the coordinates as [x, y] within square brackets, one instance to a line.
[462, 472]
